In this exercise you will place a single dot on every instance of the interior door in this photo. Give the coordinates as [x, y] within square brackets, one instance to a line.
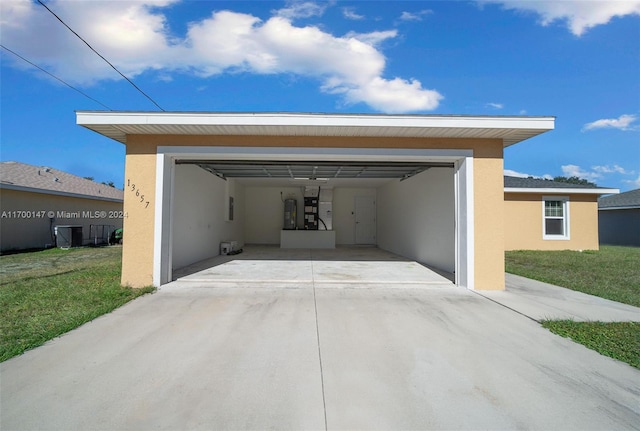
[365, 217]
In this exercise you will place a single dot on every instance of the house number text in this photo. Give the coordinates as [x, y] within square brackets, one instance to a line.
[139, 195]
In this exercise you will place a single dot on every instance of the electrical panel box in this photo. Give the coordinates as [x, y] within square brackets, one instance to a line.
[311, 213]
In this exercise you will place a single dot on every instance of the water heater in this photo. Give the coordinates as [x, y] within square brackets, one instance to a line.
[290, 214]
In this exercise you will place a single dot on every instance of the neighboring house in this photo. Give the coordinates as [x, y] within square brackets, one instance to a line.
[427, 187]
[619, 219]
[37, 201]
[549, 215]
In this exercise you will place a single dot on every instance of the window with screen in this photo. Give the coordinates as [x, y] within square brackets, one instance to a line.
[555, 218]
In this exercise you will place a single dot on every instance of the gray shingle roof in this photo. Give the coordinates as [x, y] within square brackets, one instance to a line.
[630, 199]
[539, 183]
[41, 179]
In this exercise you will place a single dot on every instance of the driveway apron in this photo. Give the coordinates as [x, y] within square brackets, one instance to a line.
[301, 357]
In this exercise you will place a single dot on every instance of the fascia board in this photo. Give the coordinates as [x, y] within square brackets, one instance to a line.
[96, 118]
[555, 191]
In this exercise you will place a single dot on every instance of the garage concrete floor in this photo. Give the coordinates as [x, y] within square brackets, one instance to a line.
[299, 357]
[260, 265]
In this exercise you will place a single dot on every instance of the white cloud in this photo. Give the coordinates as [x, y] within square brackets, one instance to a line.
[495, 105]
[577, 171]
[608, 169]
[579, 16]
[624, 122]
[125, 32]
[634, 183]
[392, 96]
[374, 38]
[415, 16]
[511, 173]
[302, 9]
[350, 13]
[134, 36]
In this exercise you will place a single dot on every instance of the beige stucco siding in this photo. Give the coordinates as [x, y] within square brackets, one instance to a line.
[28, 218]
[488, 217]
[139, 204]
[523, 223]
[140, 171]
[313, 142]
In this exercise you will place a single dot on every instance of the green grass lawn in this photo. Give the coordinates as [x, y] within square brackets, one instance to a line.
[619, 340]
[47, 293]
[611, 273]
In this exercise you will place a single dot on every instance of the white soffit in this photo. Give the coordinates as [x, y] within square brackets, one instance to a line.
[117, 125]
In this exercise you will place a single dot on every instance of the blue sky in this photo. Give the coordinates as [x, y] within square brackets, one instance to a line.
[576, 60]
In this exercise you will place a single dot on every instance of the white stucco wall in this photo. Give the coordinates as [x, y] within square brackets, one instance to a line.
[264, 211]
[199, 214]
[344, 212]
[416, 218]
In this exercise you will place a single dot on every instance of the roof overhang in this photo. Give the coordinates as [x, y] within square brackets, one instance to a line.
[117, 125]
[561, 191]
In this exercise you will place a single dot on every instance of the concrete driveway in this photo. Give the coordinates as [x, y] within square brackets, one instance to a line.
[188, 358]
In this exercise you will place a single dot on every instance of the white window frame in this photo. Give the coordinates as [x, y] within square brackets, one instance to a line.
[566, 217]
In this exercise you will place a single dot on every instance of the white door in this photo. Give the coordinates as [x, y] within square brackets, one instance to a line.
[365, 220]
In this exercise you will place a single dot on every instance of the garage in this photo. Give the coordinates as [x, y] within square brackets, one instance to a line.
[406, 208]
[427, 188]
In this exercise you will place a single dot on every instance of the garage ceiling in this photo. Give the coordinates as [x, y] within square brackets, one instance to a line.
[313, 170]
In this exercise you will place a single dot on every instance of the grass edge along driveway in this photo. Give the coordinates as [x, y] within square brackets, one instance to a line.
[47, 293]
[611, 273]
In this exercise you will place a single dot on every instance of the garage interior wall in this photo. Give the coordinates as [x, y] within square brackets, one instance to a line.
[416, 218]
[264, 212]
[201, 212]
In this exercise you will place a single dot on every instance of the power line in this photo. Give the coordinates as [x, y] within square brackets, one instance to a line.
[100, 55]
[55, 77]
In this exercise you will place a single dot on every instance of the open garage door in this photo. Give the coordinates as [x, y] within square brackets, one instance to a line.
[222, 198]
